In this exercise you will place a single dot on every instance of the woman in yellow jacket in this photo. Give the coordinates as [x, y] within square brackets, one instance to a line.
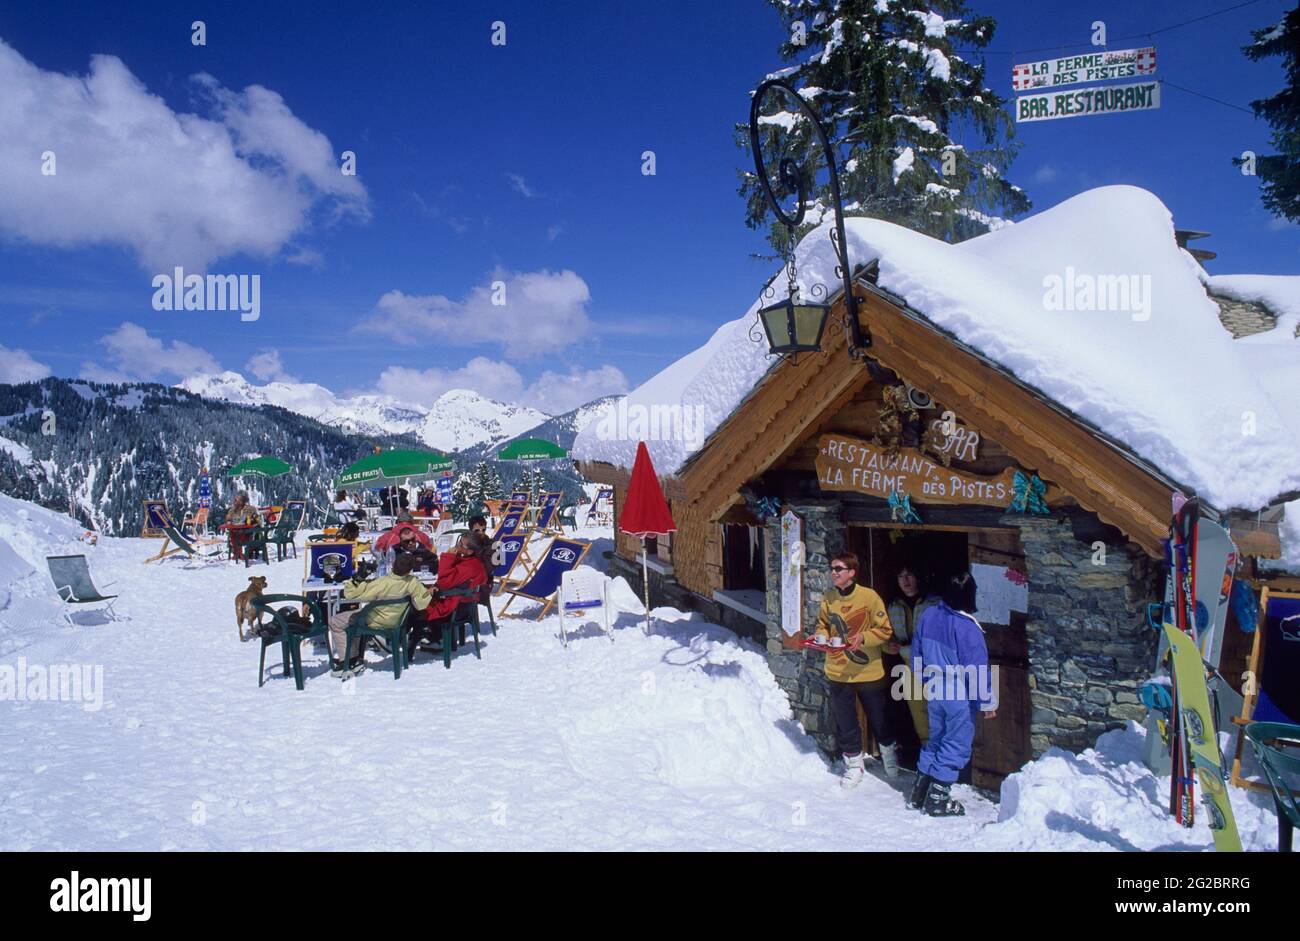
[854, 616]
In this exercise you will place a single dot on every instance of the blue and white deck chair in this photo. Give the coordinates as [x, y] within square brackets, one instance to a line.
[582, 592]
[71, 576]
[602, 507]
[174, 541]
[511, 518]
[543, 582]
[518, 496]
[548, 511]
[509, 552]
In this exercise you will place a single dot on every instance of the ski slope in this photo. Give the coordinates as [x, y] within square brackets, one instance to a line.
[676, 741]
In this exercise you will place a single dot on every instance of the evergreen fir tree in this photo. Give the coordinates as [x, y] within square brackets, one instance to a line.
[1279, 173]
[896, 99]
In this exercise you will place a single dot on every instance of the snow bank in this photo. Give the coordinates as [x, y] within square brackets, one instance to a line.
[1107, 798]
[1160, 375]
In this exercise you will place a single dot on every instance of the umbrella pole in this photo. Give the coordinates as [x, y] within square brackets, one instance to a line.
[645, 585]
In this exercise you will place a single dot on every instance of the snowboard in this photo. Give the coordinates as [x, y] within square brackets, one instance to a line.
[1201, 738]
[1216, 560]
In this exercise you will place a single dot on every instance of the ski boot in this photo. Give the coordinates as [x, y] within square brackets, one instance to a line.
[338, 669]
[889, 759]
[939, 802]
[853, 772]
[920, 789]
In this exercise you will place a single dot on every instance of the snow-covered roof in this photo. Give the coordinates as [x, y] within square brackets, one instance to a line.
[1161, 376]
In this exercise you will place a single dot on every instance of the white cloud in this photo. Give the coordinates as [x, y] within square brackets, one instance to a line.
[495, 379]
[519, 186]
[552, 392]
[1045, 174]
[18, 366]
[307, 257]
[134, 355]
[268, 367]
[555, 393]
[553, 232]
[174, 188]
[543, 312]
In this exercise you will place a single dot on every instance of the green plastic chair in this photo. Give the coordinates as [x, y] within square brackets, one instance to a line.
[1268, 739]
[279, 631]
[281, 536]
[359, 626]
[465, 615]
[569, 517]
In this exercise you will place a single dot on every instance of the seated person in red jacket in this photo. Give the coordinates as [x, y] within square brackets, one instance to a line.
[390, 537]
[462, 567]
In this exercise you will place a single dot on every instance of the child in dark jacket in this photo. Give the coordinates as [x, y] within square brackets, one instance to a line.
[952, 660]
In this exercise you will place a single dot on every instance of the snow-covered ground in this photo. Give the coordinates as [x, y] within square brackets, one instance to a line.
[679, 740]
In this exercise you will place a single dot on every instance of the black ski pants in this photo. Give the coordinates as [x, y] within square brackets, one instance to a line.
[874, 696]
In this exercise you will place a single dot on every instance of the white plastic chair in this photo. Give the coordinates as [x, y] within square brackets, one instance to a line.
[582, 591]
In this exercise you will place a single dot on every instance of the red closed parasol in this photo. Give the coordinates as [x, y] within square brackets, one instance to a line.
[645, 513]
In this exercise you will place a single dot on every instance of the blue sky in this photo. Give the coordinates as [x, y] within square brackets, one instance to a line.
[476, 163]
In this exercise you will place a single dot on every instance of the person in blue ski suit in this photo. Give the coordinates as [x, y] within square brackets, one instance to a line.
[948, 642]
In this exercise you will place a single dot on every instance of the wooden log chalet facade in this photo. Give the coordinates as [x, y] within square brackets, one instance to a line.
[1069, 664]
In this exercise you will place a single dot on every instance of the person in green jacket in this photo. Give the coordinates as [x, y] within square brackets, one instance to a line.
[400, 583]
[904, 614]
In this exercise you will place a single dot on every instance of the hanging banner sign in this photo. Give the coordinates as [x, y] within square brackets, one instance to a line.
[792, 563]
[444, 488]
[1091, 67]
[851, 464]
[1108, 99]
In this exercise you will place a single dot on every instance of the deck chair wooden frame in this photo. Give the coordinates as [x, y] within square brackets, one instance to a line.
[551, 524]
[523, 556]
[174, 541]
[196, 520]
[1253, 667]
[518, 511]
[548, 602]
[603, 513]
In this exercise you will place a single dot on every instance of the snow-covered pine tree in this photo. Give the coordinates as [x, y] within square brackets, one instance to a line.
[921, 141]
[489, 481]
[534, 481]
[1279, 174]
[462, 496]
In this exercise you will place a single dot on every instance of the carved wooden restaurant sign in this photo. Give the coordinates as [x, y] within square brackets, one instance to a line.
[851, 464]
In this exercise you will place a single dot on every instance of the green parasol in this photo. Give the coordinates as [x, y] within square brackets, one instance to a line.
[531, 449]
[391, 467]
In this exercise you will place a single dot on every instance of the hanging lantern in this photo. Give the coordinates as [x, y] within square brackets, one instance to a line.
[794, 326]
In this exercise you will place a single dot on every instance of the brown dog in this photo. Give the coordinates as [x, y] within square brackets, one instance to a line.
[244, 610]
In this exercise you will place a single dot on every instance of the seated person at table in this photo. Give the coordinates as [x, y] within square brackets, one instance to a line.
[408, 544]
[400, 584]
[389, 538]
[240, 513]
[462, 567]
[346, 508]
[426, 505]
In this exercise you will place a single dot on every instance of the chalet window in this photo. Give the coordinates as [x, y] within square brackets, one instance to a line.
[743, 556]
